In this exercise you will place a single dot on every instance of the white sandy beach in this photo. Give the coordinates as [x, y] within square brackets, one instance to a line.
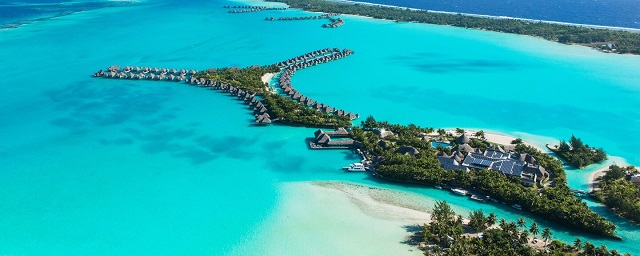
[266, 78]
[351, 220]
[494, 137]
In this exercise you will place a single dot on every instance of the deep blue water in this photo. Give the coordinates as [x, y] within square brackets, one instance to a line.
[16, 13]
[619, 13]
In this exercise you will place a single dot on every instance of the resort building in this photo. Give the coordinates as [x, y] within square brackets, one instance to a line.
[408, 150]
[495, 157]
[333, 140]
[382, 133]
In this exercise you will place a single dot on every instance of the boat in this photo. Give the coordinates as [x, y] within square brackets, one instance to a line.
[477, 198]
[355, 167]
[494, 200]
[517, 206]
[438, 187]
[458, 191]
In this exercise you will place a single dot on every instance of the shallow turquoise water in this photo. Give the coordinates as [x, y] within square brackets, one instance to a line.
[92, 166]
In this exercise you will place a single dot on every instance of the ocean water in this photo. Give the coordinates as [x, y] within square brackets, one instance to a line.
[617, 13]
[113, 167]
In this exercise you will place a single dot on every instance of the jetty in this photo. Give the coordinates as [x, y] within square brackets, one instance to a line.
[334, 23]
[253, 101]
[249, 8]
[306, 60]
[146, 73]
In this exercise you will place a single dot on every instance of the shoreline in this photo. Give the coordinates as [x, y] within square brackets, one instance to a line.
[380, 203]
[633, 30]
[595, 175]
[266, 78]
[493, 136]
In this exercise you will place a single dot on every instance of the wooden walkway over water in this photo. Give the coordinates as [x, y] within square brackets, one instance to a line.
[260, 110]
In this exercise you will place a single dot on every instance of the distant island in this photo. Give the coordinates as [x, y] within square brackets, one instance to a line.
[606, 40]
[577, 154]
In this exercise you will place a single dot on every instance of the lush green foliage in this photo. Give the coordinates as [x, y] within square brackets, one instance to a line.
[625, 42]
[620, 194]
[553, 203]
[249, 79]
[446, 236]
[289, 111]
[578, 154]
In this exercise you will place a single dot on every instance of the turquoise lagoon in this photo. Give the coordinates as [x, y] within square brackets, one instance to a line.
[94, 166]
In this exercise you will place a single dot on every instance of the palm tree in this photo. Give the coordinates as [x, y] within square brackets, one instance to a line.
[480, 134]
[441, 132]
[491, 220]
[589, 248]
[459, 131]
[503, 224]
[524, 237]
[521, 223]
[534, 230]
[437, 250]
[546, 234]
[577, 244]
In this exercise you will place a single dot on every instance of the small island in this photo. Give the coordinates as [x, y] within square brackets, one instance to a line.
[619, 189]
[577, 154]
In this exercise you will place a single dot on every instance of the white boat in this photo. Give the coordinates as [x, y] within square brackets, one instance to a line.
[474, 197]
[517, 206]
[458, 191]
[355, 167]
[438, 187]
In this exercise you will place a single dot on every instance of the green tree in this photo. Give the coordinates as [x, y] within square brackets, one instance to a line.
[369, 124]
[546, 235]
[477, 221]
[459, 131]
[534, 229]
[521, 223]
[589, 248]
[480, 134]
[491, 220]
[577, 244]
[441, 132]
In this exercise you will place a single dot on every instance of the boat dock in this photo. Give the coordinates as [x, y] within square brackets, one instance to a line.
[248, 8]
[334, 23]
[260, 110]
[317, 17]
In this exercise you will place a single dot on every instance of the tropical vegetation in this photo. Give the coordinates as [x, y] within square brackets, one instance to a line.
[288, 111]
[556, 203]
[248, 79]
[447, 234]
[620, 194]
[578, 154]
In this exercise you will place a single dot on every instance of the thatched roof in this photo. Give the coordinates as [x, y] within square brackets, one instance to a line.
[463, 139]
[408, 150]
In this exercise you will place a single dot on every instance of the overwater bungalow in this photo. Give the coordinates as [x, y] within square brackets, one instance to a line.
[263, 120]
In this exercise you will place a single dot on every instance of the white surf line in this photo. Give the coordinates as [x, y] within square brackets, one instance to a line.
[634, 30]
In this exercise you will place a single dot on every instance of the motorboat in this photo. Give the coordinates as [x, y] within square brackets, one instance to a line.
[458, 191]
[355, 167]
